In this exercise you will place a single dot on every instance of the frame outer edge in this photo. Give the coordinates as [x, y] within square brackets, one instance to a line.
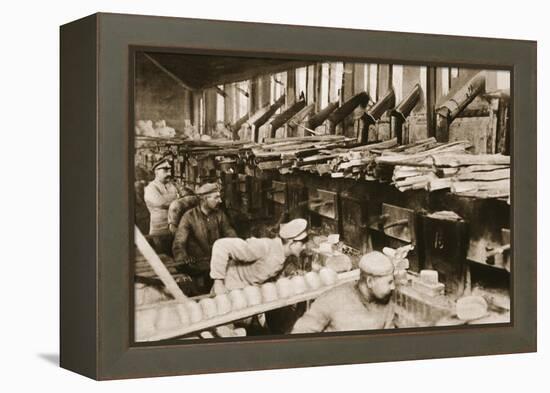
[78, 190]
[525, 179]
[118, 359]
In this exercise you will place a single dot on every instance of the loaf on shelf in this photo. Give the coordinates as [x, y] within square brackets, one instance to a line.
[172, 319]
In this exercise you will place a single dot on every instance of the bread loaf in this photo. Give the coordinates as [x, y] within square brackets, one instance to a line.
[284, 288]
[208, 306]
[238, 300]
[328, 276]
[183, 313]
[269, 292]
[253, 295]
[313, 280]
[168, 318]
[298, 285]
[195, 311]
[145, 323]
[223, 304]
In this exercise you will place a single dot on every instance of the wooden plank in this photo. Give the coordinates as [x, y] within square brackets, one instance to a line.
[318, 85]
[310, 85]
[254, 95]
[230, 102]
[437, 87]
[493, 127]
[422, 178]
[486, 194]
[498, 174]
[384, 79]
[196, 98]
[439, 184]
[210, 105]
[432, 153]
[468, 186]
[343, 278]
[377, 146]
[265, 90]
[412, 77]
[157, 265]
[274, 141]
[480, 168]
[478, 130]
[440, 82]
[456, 160]
[187, 110]
[411, 147]
[333, 82]
[407, 173]
[348, 82]
[291, 93]
[503, 129]
[359, 77]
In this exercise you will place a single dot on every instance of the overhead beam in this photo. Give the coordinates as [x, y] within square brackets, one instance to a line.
[167, 72]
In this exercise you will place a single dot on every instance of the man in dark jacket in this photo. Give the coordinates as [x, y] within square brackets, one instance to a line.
[197, 231]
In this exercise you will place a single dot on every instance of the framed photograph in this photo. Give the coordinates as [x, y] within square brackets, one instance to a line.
[242, 196]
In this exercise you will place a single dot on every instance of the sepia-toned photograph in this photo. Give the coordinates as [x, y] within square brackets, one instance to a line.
[275, 197]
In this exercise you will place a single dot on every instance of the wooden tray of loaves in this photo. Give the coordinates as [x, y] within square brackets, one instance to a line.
[161, 321]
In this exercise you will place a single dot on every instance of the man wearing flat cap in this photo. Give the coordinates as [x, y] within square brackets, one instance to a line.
[158, 195]
[362, 305]
[237, 263]
[196, 233]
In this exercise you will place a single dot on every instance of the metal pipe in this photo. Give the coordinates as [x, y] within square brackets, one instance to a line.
[381, 106]
[402, 111]
[235, 127]
[348, 107]
[456, 103]
[409, 102]
[375, 113]
[281, 119]
[267, 115]
[318, 119]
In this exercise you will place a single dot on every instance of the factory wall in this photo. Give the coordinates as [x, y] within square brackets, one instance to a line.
[159, 97]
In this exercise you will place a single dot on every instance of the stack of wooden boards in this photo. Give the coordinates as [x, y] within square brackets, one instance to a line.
[450, 166]
[425, 164]
[297, 152]
[171, 319]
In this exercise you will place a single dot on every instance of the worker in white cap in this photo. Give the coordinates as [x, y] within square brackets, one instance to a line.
[362, 305]
[197, 230]
[237, 263]
[158, 195]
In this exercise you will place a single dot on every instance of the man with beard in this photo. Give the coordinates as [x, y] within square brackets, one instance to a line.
[197, 231]
[361, 305]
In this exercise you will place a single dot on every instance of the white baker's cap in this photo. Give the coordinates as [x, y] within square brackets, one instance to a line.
[294, 230]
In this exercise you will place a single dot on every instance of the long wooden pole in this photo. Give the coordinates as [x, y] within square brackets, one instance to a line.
[161, 271]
